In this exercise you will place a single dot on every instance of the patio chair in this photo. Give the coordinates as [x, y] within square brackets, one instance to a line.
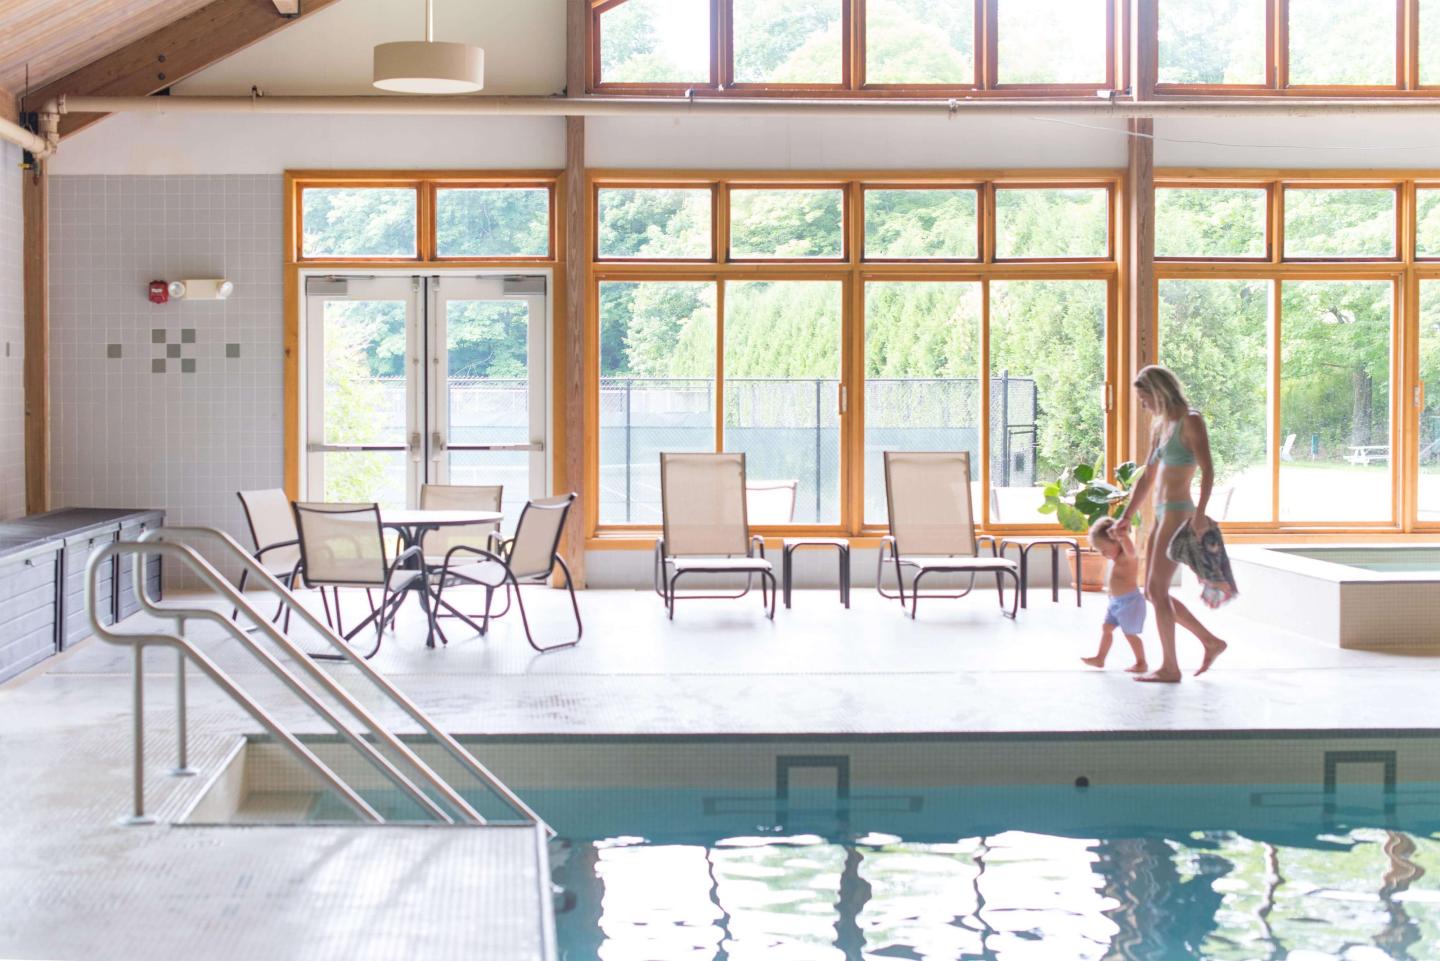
[343, 545]
[461, 497]
[705, 528]
[530, 557]
[932, 527]
[770, 502]
[277, 544]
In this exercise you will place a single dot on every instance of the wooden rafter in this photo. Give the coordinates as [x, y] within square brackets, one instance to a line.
[172, 53]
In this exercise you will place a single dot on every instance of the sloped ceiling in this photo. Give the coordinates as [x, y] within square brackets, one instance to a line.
[330, 53]
[56, 36]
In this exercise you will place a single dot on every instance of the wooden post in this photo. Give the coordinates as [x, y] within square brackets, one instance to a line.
[36, 253]
[1140, 293]
[1144, 49]
[572, 321]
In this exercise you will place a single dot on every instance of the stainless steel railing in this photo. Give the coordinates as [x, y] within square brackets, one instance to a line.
[170, 542]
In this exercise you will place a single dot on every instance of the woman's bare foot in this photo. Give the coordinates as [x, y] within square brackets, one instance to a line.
[1139, 667]
[1096, 661]
[1213, 649]
[1160, 677]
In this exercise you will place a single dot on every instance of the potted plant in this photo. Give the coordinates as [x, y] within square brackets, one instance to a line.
[1081, 497]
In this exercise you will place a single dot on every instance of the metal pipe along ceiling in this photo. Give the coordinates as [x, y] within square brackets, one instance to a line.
[753, 107]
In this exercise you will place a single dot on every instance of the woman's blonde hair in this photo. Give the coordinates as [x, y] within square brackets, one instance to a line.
[1163, 386]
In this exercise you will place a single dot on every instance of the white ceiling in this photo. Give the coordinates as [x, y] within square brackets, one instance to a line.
[330, 53]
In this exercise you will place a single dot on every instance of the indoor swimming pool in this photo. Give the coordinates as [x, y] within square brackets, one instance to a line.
[1305, 848]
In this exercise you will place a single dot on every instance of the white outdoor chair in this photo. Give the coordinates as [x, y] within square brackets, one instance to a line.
[343, 545]
[437, 543]
[705, 528]
[1287, 450]
[770, 502]
[277, 543]
[530, 557]
[932, 527]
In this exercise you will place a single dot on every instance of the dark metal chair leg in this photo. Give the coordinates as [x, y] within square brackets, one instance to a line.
[845, 577]
[235, 612]
[1055, 573]
[1025, 574]
[1075, 549]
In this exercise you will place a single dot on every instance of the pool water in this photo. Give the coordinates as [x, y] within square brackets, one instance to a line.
[1385, 560]
[1028, 873]
[1054, 873]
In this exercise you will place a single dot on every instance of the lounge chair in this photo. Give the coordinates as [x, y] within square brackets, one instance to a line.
[932, 527]
[770, 502]
[462, 497]
[705, 527]
[530, 557]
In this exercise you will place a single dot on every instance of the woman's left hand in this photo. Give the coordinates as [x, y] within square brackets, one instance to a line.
[1200, 524]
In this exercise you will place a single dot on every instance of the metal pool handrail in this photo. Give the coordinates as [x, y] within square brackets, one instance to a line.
[138, 641]
[171, 535]
[214, 580]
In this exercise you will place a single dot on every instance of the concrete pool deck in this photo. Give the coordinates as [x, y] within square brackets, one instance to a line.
[80, 885]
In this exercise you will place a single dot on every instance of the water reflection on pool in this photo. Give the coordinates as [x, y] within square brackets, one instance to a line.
[1344, 883]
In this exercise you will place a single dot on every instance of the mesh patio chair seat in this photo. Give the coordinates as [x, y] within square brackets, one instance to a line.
[343, 545]
[932, 527]
[705, 527]
[462, 497]
[277, 543]
[530, 557]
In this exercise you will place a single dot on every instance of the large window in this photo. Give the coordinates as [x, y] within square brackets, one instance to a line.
[1281, 307]
[837, 320]
[819, 47]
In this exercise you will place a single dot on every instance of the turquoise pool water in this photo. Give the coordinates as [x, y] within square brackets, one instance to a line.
[1387, 560]
[1054, 873]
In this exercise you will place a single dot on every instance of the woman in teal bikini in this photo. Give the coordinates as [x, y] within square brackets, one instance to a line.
[1179, 446]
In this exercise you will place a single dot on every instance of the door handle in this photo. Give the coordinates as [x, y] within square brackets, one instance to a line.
[842, 398]
[415, 446]
[437, 446]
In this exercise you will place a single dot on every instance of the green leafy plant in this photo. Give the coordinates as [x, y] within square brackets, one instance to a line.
[1082, 495]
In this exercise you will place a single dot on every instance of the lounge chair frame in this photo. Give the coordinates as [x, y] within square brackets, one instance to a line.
[960, 562]
[667, 579]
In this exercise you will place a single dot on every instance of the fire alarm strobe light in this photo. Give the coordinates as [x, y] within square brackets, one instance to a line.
[159, 292]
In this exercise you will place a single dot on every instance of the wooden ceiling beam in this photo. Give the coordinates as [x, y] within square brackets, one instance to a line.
[8, 106]
[172, 53]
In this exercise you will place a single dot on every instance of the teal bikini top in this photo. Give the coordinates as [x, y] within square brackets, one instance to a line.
[1174, 453]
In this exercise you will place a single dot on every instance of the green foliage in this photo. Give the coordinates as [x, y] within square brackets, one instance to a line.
[1081, 496]
[787, 223]
[355, 403]
[1339, 223]
[1212, 41]
[787, 41]
[921, 223]
[358, 222]
[1210, 222]
[654, 222]
[632, 49]
[493, 222]
[1048, 222]
[1342, 41]
[920, 41]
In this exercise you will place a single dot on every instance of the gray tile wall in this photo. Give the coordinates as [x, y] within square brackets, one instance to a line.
[178, 405]
[12, 337]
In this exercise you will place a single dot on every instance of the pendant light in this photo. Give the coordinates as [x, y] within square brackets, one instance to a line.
[429, 66]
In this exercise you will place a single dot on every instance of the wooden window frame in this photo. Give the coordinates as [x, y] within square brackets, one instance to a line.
[708, 185]
[723, 214]
[294, 263]
[1395, 186]
[1112, 225]
[1270, 210]
[854, 272]
[421, 215]
[1403, 271]
[853, 82]
[978, 188]
[1277, 62]
[433, 186]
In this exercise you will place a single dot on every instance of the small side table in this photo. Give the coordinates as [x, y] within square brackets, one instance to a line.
[842, 550]
[1056, 545]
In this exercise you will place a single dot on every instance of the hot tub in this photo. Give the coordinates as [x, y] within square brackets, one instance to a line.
[1373, 596]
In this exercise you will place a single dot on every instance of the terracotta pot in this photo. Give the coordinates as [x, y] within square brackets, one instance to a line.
[1092, 571]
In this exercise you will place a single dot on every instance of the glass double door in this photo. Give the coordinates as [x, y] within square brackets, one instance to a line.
[425, 380]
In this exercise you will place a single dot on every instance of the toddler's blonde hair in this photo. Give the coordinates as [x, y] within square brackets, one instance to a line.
[1103, 529]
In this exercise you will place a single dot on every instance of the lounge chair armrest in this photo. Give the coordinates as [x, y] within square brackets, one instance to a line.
[660, 566]
[887, 541]
[757, 542]
[989, 540]
[406, 554]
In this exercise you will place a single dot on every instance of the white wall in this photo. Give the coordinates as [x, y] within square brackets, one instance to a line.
[12, 337]
[1352, 142]
[211, 144]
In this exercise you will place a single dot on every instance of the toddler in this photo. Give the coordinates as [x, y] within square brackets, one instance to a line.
[1127, 604]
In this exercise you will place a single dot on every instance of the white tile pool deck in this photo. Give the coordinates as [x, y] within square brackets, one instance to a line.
[76, 884]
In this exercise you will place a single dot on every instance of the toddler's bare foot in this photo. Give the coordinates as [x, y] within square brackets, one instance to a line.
[1139, 667]
[1160, 677]
[1096, 661]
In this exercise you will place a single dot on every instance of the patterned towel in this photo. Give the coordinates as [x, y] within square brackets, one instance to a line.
[1205, 555]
